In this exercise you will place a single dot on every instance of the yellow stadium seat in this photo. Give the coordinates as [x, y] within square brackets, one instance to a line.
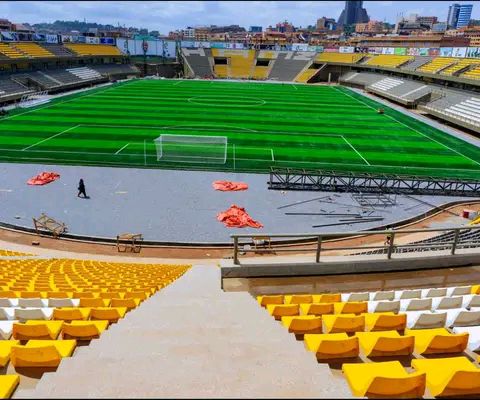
[475, 289]
[59, 295]
[351, 307]
[111, 295]
[108, 314]
[42, 353]
[388, 60]
[71, 313]
[137, 294]
[317, 308]
[84, 295]
[384, 379]
[272, 299]
[455, 376]
[46, 330]
[130, 304]
[298, 299]
[327, 298]
[283, 310]
[9, 294]
[5, 351]
[346, 58]
[348, 323]
[8, 384]
[93, 49]
[332, 345]
[385, 343]
[303, 324]
[31, 295]
[438, 341]
[385, 321]
[94, 302]
[83, 330]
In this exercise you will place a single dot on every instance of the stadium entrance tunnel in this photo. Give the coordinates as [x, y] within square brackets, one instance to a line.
[227, 101]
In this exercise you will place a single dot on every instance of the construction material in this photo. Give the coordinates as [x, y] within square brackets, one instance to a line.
[302, 202]
[327, 214]
[342, 223]
[43, 178]
[48, 224]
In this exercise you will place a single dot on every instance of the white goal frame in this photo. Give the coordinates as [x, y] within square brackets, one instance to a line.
[192, 141]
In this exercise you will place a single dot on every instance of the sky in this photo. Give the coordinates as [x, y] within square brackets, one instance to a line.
[166, 16]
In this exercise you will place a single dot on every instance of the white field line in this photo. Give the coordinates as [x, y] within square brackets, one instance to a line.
[177, 83]
[413, 129]
[234, 157]
[51, 137]
[273, 158]
[122, 148]
[356, 151]
[61, 102]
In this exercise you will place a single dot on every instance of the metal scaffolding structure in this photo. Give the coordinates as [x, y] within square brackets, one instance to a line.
[361, 182]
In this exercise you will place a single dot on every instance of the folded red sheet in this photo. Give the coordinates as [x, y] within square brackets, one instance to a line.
[237, 217]
[228, 186]
[43, 178]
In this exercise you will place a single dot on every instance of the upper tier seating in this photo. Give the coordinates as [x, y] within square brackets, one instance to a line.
[241, 62]
[93, 49]
[417, 62]
[437, 64]
[287, 66]
[32, 50]
[458, 66]
[85, 73]
[390, 61]
[339, 58]
[10, 52]
[474, 73]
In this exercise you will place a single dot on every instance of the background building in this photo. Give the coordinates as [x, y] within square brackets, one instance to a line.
[353, 13]
[459, 15]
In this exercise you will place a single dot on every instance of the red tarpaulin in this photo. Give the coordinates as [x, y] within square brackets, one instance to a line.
[43, 178]
[227, 186]
[237, 217]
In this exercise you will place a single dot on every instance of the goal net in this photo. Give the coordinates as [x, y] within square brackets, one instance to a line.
[192, 149]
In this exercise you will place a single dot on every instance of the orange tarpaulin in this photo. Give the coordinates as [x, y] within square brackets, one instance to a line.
[43, 178]
[227, 186]
[237, 217]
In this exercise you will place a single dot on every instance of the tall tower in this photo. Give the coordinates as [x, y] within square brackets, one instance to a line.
[459, 15]
[353, 13]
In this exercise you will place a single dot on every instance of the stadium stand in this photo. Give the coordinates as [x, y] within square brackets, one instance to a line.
[93, 49]
[340, 326]
[339, 58]
[462, 108]
[241, 63]
[473, 73]
[57, 49]
[390, 61]
[267, 55]
[260, 72]
[116, 69]
[459, 66]
[307, 74]
[198, 61]
[9, 88]
[10, 52]
[288, 65]
[437, 65]
[41, 318]
[32, 50]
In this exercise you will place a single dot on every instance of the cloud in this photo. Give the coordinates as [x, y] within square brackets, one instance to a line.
[165, 16]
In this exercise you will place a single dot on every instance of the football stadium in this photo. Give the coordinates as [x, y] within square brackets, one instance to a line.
[279, 212]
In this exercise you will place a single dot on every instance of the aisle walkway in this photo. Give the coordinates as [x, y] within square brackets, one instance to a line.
[193, 340]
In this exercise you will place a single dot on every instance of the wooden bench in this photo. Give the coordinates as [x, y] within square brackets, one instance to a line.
[129, 241]
[46, 223]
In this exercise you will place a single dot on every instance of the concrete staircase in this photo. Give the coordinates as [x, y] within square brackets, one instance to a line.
[193, 340]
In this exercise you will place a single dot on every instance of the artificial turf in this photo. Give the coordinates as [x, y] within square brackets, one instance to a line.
[300, 126]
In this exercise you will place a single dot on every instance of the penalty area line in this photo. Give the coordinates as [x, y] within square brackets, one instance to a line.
[51, 137]
[122, 148]
[273, 158]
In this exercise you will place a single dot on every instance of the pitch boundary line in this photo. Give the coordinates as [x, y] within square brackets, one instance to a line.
[413, 129]
[356, 151]
[50, 137]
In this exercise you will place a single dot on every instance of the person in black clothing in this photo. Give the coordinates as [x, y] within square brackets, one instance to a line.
[81, 189]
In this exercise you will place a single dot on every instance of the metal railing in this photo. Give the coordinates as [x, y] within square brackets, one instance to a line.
[451, 239]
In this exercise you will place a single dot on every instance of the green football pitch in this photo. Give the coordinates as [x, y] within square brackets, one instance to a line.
[299, 126]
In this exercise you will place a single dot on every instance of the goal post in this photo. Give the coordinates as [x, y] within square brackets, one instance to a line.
[192, 149]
